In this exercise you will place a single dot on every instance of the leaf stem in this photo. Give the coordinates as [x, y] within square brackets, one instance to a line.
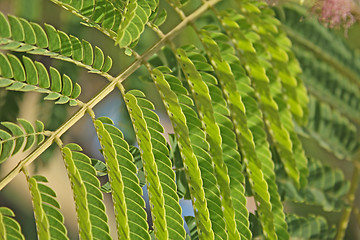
[350, 201]
[104, 92]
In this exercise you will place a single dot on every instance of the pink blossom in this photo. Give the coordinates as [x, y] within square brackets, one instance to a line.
[334, 13]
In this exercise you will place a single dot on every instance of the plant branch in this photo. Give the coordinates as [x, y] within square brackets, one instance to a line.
[103, 93]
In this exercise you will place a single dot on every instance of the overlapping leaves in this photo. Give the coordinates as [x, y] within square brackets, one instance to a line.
[332, 130]
[326, 187]
[90, 209]
[129, 206]
[20, 35]
[12, 142]
[33, 76]
[49, 220]
[310, 227]
[124, 21]
[9, 228]
[157, 166]
[193, 148]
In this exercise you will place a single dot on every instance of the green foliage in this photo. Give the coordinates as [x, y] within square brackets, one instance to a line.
[10, 144]
[9, 228]
[49, 221]
[242, 99]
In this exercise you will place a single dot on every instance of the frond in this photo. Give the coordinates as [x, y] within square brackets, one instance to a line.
[193, 148]
[326, 187]
[33, 76]
[332, 130]
[17, 34]
[257, 136]
[128, 203]
[135, 16]
[90, 209]
[311, 36]
[11, 143]
[123, 22]
[9, 228]
[229, 146]
[328, 85]
[160, 178]
[310, 227]
[261, 85]
[49, 220]
[203, 102]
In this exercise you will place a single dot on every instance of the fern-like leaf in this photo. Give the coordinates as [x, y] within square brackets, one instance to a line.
[33, 76]
[332, 130]
[10, 144]
[206, 112]
[311, 227]
[92, 219]
[195, 165]
[136, 15]
[229, 145]
[51, 42]
[260, 83]
[9, 228]
[326, 187]
[157, 166]
[237, 111]
[49, 221]
[131, 216]
[262, 148]
[124, 22]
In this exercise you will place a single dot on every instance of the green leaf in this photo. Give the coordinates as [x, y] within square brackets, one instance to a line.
[56, 83]
[311, 227]
[80, 195]
[49, 221]
[30, 131]
[87, 53]
[190, 161]
[115, 179]
[9, 228]
[4, 27]
[6, 70]
[206, 113]
[147, 155]
[107, 64]
[29, 32]
[31, 72]
[133, 22]
[41, 37]
[44, 80]
[67, 85]
[88, 198]
[66, 46]
[77, 50]
[260, 82]
[53, 38]
[10, 144]
[17, 30]
[17, 67]
[160, 18]
[326, 187]
[116, 150]
[98, 59]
